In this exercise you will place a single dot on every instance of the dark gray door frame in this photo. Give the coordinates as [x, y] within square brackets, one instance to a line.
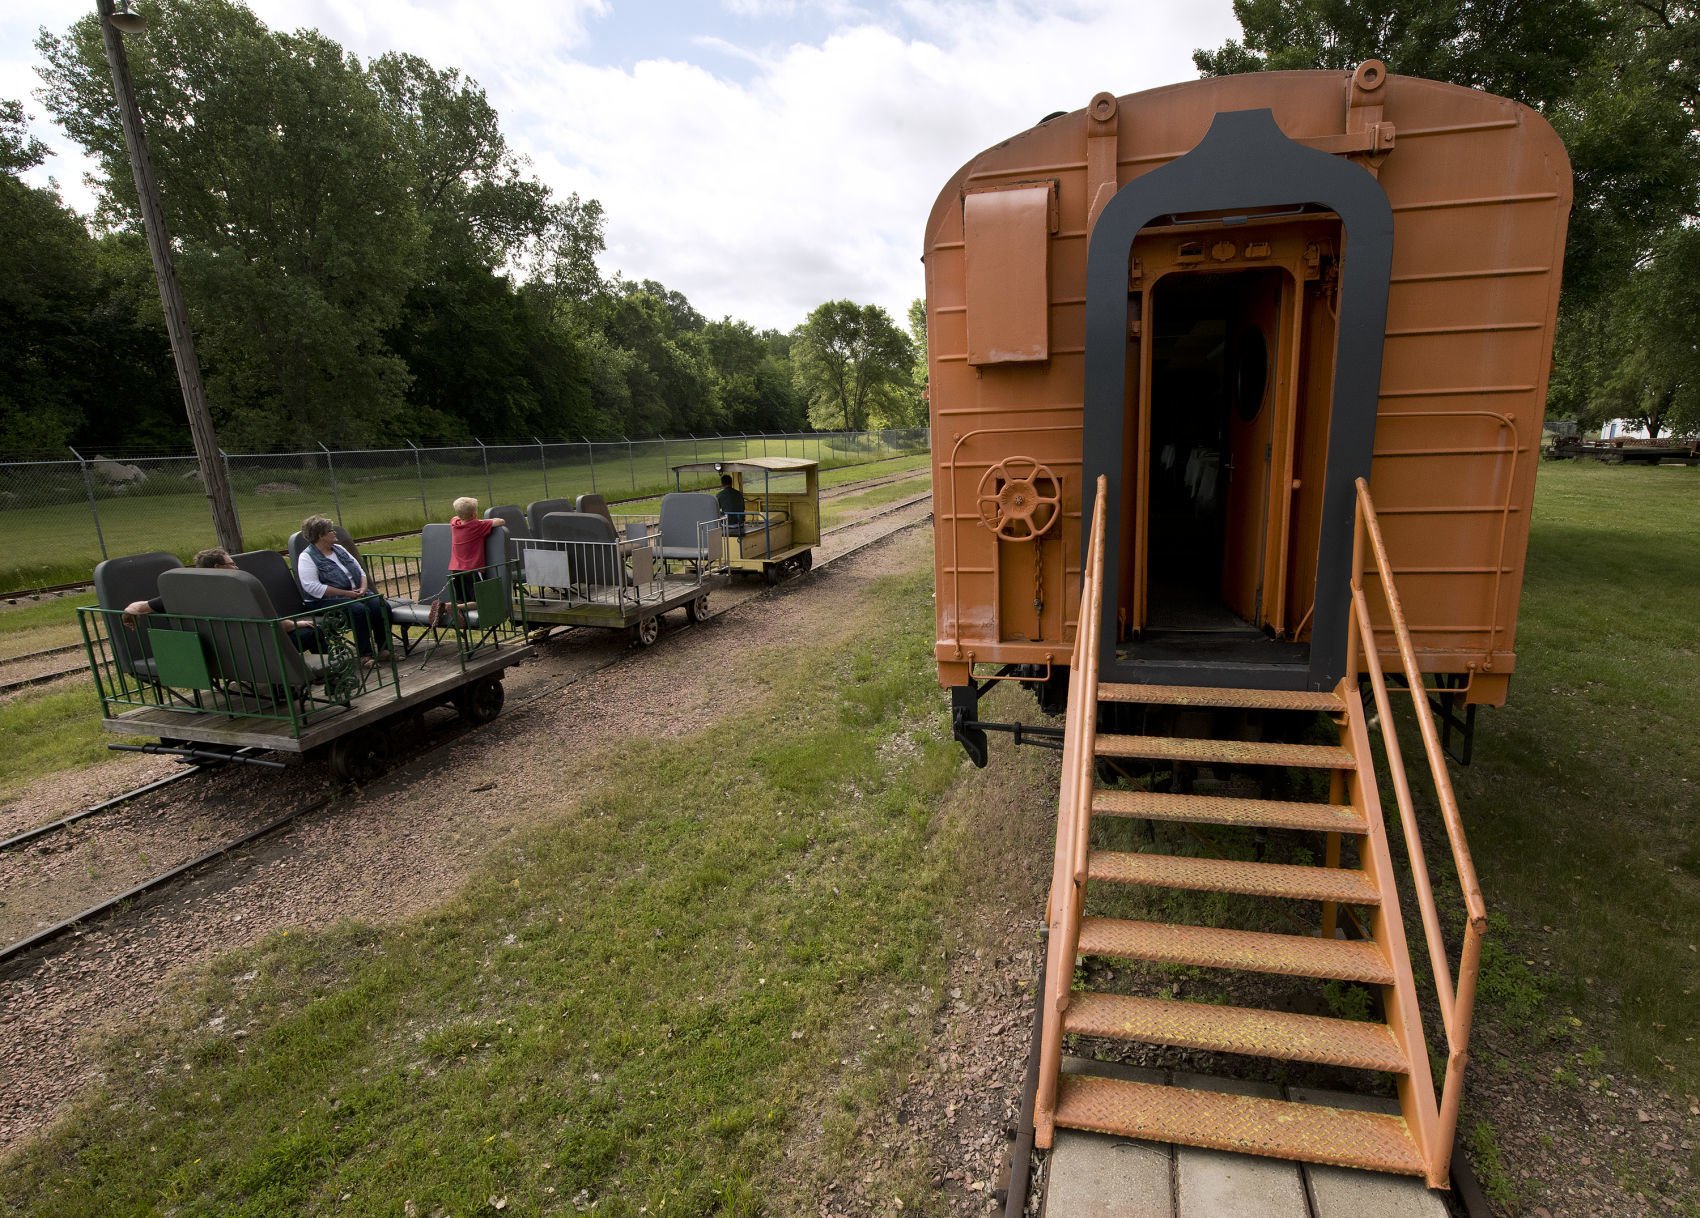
[1244, 161]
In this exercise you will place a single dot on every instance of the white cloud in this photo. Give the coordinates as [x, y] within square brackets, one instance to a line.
[780, 171]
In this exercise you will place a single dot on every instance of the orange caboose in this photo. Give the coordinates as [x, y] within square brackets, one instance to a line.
[1232, 298]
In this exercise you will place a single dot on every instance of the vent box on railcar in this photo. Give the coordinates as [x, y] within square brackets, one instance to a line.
[1233, 297]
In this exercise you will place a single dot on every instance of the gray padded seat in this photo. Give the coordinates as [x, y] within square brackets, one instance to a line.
[682, 514]
[511, 517]
[122, 581]
[591, 546]
[535, 512]
[595, 505]
[297, 543]
[435, 544]
[276, 576]
[257, 653]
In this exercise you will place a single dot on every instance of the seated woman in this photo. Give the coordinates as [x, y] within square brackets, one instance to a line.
[330, 575]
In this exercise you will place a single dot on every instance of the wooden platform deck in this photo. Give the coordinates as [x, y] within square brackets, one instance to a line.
[425, 678]
[635, 604]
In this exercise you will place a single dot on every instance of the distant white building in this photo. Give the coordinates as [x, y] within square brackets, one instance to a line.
[1622, 429]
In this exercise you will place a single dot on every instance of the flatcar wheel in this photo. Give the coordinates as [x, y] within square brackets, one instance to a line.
[362, 756]
[769, 574]
[646, 632]
[697, 610]
[481, 701]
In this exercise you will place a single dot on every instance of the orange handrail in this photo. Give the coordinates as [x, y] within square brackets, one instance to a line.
[1074, 820]
[1457, 1002]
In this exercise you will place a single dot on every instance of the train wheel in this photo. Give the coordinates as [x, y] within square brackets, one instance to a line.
[697, 610]
[799, 565]
[769, 574]
[646, 632]
[361, 757]
[481, 701]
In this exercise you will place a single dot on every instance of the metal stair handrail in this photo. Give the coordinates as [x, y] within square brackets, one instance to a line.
[1074, 820]
[1457, 1002]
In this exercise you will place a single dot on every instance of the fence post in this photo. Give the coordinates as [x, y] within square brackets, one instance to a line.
[88, 488]
[542, 460]
[631, 462]
[489, 489]
[590, 455]
[764, 444]
[231, 486]
[695, 455]
[336, 498]
[418, 468]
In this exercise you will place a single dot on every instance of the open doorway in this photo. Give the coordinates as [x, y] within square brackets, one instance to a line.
[1214, 403]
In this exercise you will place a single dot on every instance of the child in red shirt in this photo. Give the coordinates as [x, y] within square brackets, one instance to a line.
[466, 555]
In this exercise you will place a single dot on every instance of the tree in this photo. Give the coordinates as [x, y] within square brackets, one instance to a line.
[279, 177]
[754, 384]
[853, 365]
[83, 348]
[1620, 82]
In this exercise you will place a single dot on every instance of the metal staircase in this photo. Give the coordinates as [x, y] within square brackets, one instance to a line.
[1392, 1044]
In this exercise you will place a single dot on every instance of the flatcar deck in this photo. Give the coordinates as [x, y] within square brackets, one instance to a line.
[616, 608]
[427, 679]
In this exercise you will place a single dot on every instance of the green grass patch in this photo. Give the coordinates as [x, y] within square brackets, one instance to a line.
[635, 1006]
[1582, 797]
[46, 733]
[37, 625]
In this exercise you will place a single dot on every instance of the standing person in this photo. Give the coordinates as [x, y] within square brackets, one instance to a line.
[330, 575]
[466, 558]
[730, 501]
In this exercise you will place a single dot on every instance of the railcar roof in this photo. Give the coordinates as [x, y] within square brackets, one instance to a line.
[771, 465]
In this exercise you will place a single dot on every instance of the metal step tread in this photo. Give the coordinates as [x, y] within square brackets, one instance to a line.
[1345, 885]
[1226, 810]
[1351, 1043]
[1195, 695]
[1225, 752]
[1251, 1125]
[1250, 951]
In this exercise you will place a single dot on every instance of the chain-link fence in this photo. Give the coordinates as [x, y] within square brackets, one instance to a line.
[62, 517]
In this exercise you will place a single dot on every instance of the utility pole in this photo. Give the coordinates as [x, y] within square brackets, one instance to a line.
[213, 478]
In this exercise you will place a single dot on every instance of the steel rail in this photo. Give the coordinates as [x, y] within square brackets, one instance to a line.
[57, 930]
[163, 878]
[40, 831]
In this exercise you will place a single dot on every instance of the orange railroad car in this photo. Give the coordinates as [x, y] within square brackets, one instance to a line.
[1232, 298]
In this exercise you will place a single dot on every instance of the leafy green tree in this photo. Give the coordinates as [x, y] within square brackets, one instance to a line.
[295, 222]
[1620, 82]
[668, 384]
[84, 357]
[754, 384]
[854, 366]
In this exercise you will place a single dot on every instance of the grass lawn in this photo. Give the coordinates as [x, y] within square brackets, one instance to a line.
[637, 1005]
[1582, 801]
[47, 732]
[57, 543]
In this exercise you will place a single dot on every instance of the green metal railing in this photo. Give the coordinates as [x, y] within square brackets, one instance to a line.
[294, 670]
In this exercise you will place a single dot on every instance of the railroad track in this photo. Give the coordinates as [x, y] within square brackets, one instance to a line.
[41, 938]
[14, 684]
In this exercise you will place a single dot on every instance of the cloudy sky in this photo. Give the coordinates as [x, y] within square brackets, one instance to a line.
[761, 156]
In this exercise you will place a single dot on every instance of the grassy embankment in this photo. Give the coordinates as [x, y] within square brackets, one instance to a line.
[57, 544]
[639, 1004]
